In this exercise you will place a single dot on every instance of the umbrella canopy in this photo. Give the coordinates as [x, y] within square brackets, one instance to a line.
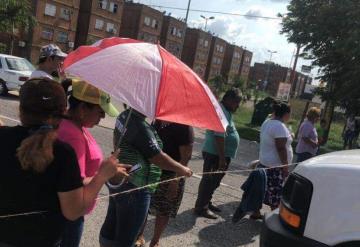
[149, 79]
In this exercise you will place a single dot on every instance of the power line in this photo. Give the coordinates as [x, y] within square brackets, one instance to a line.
[218, 12]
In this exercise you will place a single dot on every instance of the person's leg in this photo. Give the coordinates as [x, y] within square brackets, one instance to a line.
[160, 225]
[206, 183]
[137, 208]
[125, 217]
[140, 239]
[72, 233]
[216, 181]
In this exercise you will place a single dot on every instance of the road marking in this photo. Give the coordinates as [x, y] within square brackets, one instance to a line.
[8, 118]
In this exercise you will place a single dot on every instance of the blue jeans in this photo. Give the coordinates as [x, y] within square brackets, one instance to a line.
[125, 217]
[72, 233]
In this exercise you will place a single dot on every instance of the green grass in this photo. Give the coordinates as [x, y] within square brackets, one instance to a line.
[242, 119]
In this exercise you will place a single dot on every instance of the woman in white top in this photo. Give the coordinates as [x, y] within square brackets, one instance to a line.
[276, 150]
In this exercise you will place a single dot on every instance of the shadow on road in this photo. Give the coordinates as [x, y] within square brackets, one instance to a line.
[226, 233]
[184, 222]
[10, 96]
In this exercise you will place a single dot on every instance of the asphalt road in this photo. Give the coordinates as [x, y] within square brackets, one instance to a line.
[186, 229]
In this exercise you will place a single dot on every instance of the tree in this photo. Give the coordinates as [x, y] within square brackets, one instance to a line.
[239, 82]
[218, 85]
[328, 31]
[15, 14]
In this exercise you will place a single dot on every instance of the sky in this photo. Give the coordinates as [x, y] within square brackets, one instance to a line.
[257, 35]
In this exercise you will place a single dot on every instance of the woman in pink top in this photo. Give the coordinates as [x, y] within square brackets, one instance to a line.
[87, 106]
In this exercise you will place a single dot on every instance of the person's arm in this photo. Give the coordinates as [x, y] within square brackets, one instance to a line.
[280, 144]
[165, 162]
[310, 142]
[74, 203]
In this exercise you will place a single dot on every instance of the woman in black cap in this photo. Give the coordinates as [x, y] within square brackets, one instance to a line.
[40, 182]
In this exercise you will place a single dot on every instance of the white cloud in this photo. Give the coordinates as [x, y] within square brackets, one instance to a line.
[253, 12]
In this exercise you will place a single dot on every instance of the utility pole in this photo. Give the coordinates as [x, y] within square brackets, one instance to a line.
[187, 11]
[293, 72]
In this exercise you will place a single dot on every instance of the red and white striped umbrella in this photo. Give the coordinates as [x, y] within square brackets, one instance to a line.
[149, 79]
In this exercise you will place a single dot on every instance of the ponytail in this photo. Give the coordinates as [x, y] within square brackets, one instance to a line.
[36, 152]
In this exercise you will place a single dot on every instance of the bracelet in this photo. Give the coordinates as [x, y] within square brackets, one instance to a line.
[115, 186]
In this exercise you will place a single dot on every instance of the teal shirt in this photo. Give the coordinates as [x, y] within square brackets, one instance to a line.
[231, 136]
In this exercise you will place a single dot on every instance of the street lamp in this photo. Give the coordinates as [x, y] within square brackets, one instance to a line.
[206, 20]
[271, 53]
[268, 69]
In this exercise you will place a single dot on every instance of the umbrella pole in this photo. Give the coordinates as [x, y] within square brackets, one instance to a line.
[122, 133]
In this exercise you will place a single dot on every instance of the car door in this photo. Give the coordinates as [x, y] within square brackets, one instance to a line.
[2, 69]
[12, 76]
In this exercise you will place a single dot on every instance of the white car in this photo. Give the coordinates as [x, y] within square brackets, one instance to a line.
[320, 205]
[14, 71]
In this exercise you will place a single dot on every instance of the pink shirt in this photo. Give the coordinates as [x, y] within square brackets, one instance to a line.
[88, 152]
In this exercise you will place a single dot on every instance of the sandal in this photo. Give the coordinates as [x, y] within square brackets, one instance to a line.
[140, 242]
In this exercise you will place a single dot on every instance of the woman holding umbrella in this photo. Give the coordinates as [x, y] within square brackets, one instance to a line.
[140, 146]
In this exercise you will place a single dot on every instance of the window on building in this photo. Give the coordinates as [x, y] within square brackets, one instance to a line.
[65, 14]
[154, 24]
[47, 33]
[50, 9]
[103, 4]
[201, 42]
[62, 37]
[147, 21]
[110, 27]
[173, 31]
[179, 33]
[206, 43]
[99, 24]
[113, 7]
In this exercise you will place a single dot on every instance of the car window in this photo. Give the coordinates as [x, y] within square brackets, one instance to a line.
[0, 63]
[19, 64]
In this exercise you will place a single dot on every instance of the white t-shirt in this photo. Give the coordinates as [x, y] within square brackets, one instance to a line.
[270, 130]
[40, 74]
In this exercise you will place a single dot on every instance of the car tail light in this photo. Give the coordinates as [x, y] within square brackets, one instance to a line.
[295, 203]
[289, 217]
[23, 78]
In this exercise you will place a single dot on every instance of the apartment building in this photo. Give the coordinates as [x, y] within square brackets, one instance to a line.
[244, 69]
[196, 50]
[56, 23]
[216, 58]
[98, 19]
[141, 22]
[173, 35]
[232, 61]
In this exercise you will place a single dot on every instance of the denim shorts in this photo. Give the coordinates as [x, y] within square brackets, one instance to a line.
[125, 217]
